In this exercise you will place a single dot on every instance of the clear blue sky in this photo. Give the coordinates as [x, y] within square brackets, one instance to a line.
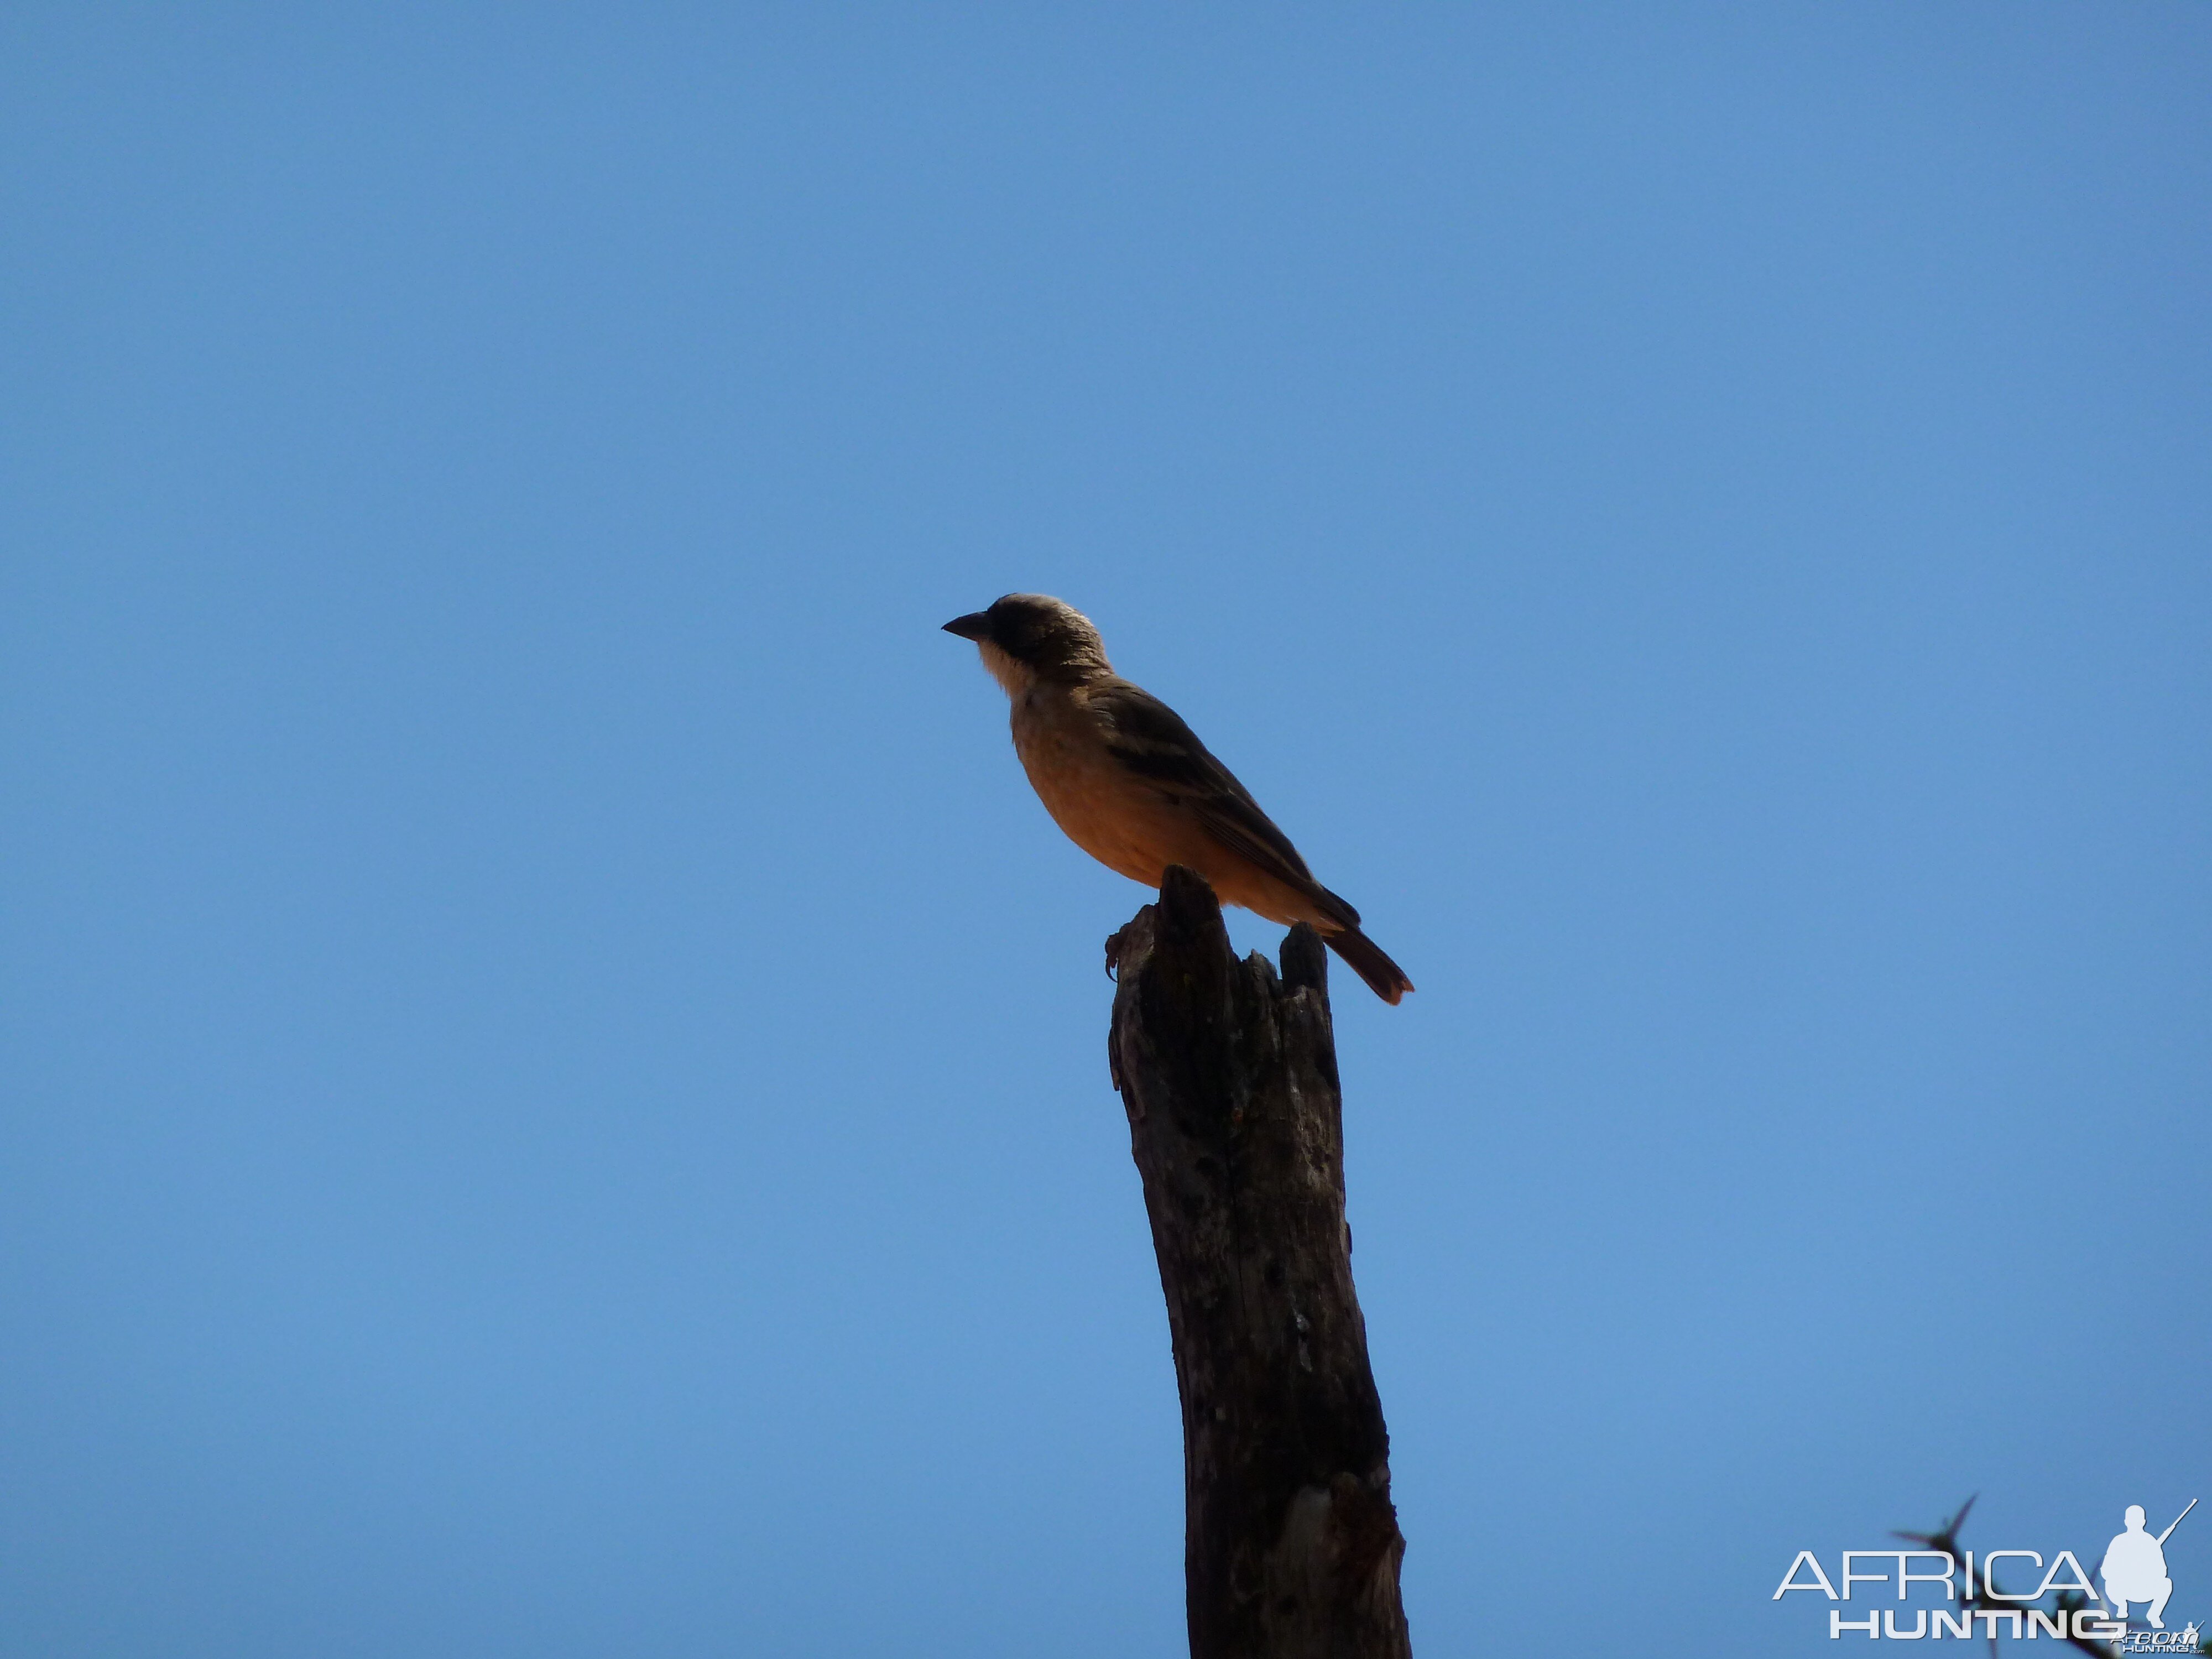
[554, 1089]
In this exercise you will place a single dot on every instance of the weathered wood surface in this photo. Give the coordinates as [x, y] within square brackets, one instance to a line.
[1229, 1075]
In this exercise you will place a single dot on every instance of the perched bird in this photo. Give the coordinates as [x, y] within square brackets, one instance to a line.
[1134, 786]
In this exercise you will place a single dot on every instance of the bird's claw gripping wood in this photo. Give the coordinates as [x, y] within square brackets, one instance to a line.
[1116, 943]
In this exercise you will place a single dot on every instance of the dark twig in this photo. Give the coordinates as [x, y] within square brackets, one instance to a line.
[1946, 1539]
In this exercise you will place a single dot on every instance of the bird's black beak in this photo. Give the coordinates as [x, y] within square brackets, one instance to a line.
[976, 625]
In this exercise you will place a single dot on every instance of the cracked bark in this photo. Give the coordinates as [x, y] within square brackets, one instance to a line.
[1228, 1073]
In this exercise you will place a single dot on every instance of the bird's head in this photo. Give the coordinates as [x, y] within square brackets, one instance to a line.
[1027, 637]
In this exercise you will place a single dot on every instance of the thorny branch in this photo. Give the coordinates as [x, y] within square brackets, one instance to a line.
[1946, 1539]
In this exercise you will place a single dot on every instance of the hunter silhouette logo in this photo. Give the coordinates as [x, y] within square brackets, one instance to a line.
[2134, 1569]
[1961, 1597]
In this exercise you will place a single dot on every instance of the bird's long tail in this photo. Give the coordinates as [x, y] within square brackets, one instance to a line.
[1366, 958]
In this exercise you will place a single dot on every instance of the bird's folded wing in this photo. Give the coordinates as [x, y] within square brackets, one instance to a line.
[1150, 739]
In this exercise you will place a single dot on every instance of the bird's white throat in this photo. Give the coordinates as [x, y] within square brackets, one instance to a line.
[1016, 676]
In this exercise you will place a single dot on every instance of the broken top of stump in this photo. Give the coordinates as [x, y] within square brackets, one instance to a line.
[1228, 1073]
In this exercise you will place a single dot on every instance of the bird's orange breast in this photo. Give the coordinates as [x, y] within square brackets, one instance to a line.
[1104, 808]
[1123, 821]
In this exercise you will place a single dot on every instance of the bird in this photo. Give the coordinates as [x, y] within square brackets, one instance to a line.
[1131, 784]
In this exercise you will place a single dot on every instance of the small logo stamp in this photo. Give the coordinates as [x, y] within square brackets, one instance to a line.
[1962, 1598]
[2134, 1569]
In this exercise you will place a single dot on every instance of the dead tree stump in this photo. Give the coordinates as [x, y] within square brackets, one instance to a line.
[1290, 1545]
